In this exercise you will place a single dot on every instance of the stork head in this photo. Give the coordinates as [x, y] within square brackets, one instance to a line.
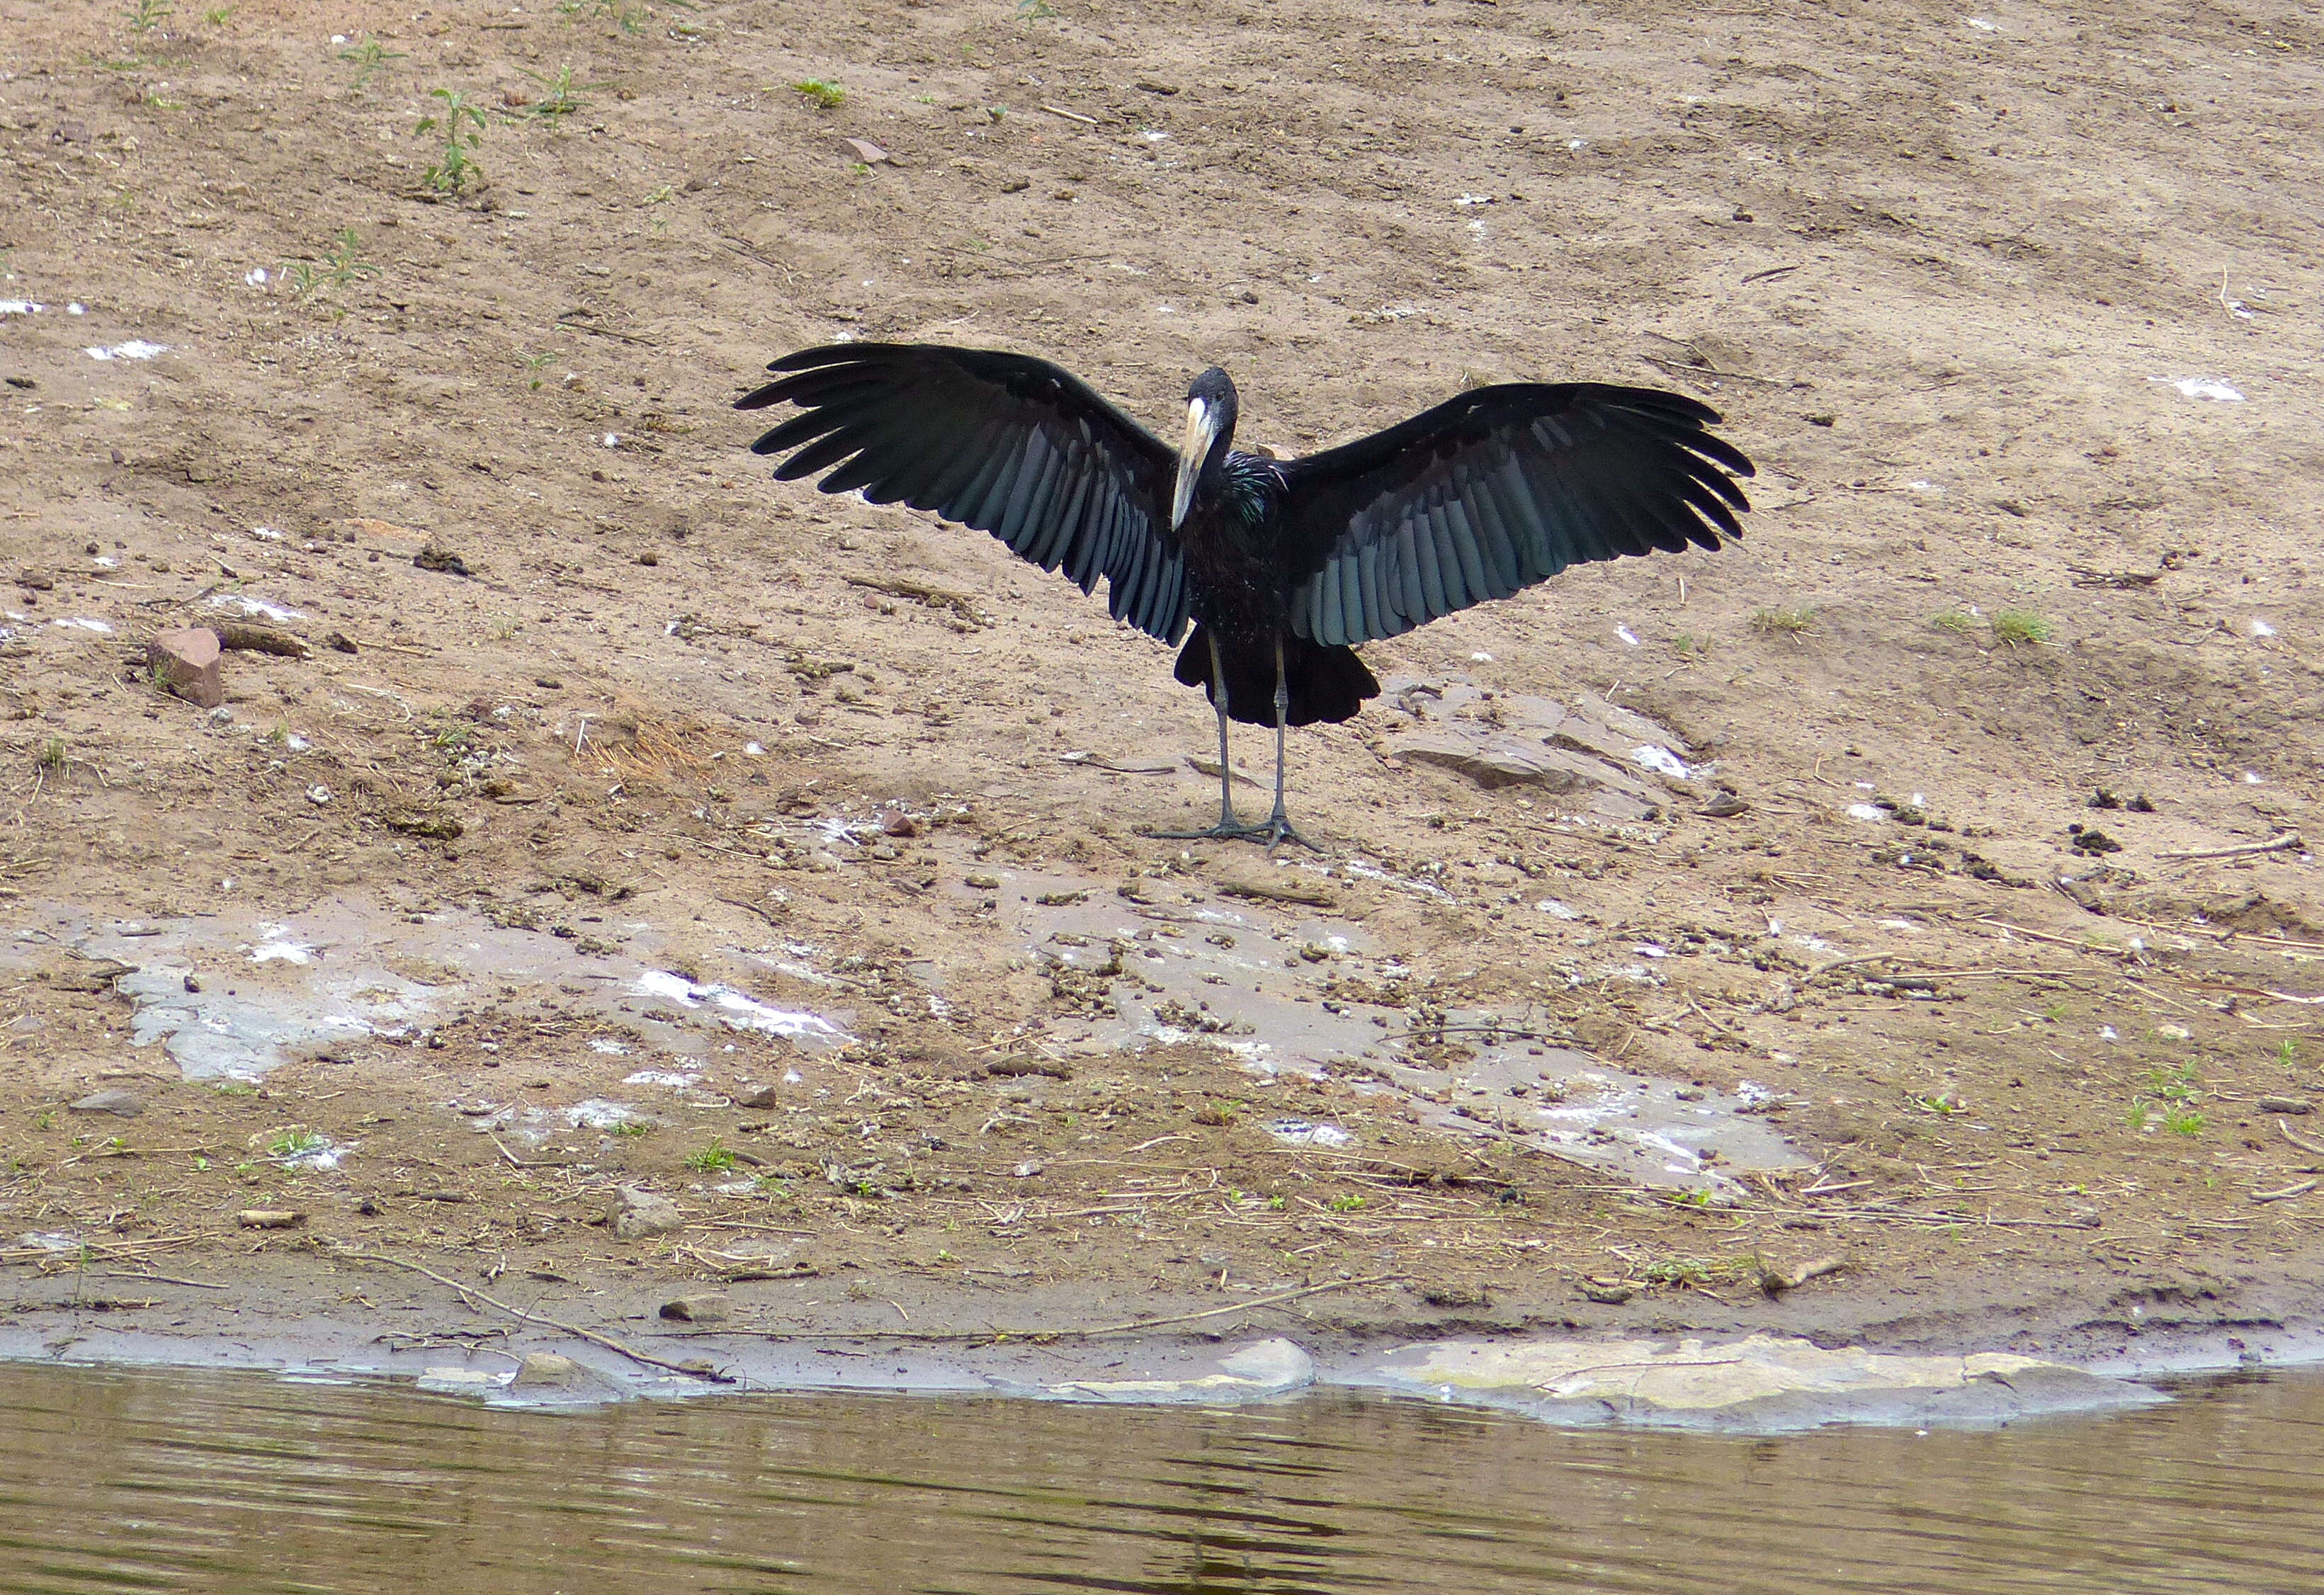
[1210, 409]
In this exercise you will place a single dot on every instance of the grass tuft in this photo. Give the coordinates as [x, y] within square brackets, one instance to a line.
[2012, 627]
[1789, 623]
[828, 96]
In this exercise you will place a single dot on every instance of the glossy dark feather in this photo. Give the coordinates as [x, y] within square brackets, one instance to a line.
[1003, 443]
[1492, 492]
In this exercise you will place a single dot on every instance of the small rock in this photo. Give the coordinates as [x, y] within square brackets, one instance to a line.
[983, 881]
[128, 1104]
[436, 557]
[186, 663]
[707, 1308]
[636, 1215]
[33, 581]
[762, 1096]
[340, 642]
[1726, 806]
[1456, 1295]
[2295, 1106]
[545, 1371]
[1613, 1293]
[1026, 1170]
[868, 153]
[269, 1218]
[895, 822]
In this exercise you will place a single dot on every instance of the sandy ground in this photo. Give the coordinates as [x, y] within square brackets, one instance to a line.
[616, 816]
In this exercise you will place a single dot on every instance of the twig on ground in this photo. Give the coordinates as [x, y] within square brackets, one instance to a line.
[1049, 1334]
[2285, 842]
[469, 1291]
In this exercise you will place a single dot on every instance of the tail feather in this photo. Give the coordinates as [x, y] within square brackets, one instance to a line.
[1326, 682]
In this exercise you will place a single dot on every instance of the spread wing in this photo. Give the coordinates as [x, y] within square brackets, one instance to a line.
[1494, 490]
[1004, 443]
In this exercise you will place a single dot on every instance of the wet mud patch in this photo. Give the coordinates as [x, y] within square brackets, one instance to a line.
[235, 997]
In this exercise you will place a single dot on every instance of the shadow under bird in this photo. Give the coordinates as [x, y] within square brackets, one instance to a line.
[1281, 567]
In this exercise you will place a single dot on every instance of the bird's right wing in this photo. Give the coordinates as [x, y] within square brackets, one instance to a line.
[1003, 443]
[1496, 490]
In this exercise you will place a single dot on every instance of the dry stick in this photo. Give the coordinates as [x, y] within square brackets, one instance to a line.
[2290, 839]
[1070, 115]
[2301, 1189]
[1051, 1335]
[2299, 1140]
[467, 1292]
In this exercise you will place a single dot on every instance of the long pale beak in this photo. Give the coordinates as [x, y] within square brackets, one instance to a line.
[1202, 431]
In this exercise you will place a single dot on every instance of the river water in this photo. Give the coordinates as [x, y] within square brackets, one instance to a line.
[166, 1480]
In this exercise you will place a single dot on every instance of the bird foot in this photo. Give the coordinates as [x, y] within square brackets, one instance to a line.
[1274, 830]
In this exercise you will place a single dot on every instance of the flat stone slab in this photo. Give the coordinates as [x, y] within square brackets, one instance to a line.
[1759, 1383]
[1257, 1371]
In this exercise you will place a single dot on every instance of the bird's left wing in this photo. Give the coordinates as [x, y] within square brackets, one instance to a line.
[1494, 490]
[1003, 443]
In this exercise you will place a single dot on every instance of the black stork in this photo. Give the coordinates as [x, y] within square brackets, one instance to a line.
[1281, 565]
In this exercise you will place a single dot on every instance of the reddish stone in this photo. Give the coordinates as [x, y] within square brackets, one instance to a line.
[187, 663]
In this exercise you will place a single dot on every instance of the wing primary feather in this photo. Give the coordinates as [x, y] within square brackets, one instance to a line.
[1024, 481]
[988, 495]
[1377, 622]
[1465, 548]
[1432, 580]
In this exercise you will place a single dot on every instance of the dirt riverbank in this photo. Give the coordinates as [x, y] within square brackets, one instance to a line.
[1900, 927]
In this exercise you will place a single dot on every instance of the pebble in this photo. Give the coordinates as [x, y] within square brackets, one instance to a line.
[188, 661]
[545, 1371]
[128, 1104]
[707, 1308]
[635, 1213]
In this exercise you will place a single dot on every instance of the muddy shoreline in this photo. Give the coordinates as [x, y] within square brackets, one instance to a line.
[305, 1314]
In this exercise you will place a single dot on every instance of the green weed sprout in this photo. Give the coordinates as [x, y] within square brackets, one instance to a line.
[461, 125]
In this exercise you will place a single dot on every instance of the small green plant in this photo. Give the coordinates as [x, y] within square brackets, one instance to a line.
[1349, 1203]
[828, 96]
[2012, 627]
[235, 1088]
[1689, 648]
[534, 365]
[1035, 11]
[342, 264]
[2287, 1054]
[52, 754]
[294, 1142]
[369, 57]
[46, 1119]
[1678, 1271]
[559, 96]
[1789, 623]
[630, 1128]
[713, 1159]
[460, 123]
[1954, 621]
[218, 16]
[2168, 1101]
[1943, 1103]
[145, 15]
[505, 626]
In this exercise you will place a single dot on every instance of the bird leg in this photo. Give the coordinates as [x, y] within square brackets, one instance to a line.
[1278, 829]
[1230, 828]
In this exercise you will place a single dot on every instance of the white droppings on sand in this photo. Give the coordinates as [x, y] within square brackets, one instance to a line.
[136, 348]
[735, 1008]
[2202, 387]
[1662, 762]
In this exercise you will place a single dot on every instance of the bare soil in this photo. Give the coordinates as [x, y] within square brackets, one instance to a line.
[1974, 288]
